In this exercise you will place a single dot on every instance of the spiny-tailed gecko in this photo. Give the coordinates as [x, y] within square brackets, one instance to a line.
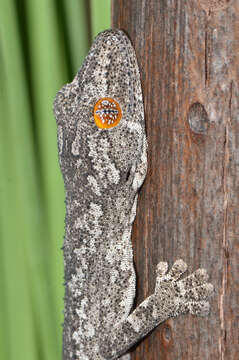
[102, 152]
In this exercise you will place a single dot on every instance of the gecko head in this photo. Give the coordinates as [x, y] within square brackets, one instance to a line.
[100, 115]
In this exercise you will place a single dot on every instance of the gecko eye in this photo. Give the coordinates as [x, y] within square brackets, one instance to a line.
[107, 113]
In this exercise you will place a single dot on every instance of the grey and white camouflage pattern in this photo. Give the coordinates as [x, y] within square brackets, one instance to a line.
[103, 170]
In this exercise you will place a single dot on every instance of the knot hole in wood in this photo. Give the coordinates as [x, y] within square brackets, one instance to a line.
[167, 334]
[198, 119]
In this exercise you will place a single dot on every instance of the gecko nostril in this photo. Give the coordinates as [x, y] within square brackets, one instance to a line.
[107, 113]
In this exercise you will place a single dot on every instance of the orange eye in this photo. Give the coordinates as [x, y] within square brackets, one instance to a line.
[107, 113]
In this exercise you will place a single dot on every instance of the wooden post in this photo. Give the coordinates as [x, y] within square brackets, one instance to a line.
[188, 54]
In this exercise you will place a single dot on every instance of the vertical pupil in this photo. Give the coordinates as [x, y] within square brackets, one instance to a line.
[107, 113]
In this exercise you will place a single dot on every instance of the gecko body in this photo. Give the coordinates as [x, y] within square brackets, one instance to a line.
[103, 158]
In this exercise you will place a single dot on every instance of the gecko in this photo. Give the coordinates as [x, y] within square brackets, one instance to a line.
[102, 150]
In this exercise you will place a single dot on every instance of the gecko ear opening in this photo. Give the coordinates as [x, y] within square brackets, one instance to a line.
[127, 175]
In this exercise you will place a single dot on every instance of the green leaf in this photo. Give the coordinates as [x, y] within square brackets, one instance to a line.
[42, 44]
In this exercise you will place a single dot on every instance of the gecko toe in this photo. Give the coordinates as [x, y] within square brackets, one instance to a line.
[162, 268]
[202, 292]
[178, 268]
[199, 277]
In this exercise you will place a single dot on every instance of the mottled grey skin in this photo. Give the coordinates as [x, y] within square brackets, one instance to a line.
[103, 170]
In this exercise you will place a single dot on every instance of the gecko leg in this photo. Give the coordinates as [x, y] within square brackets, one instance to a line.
[172, 297]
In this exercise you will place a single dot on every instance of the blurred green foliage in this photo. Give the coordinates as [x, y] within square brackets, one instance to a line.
[42, 44]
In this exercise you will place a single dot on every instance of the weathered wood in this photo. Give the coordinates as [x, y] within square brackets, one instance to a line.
[189, 204]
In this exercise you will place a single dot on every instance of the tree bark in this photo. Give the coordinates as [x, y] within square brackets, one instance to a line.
[189, 204]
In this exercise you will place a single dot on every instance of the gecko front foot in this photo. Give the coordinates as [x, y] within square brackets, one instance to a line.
[175, 296]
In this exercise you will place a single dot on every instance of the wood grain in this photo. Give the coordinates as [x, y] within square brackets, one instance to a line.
[189, 204]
